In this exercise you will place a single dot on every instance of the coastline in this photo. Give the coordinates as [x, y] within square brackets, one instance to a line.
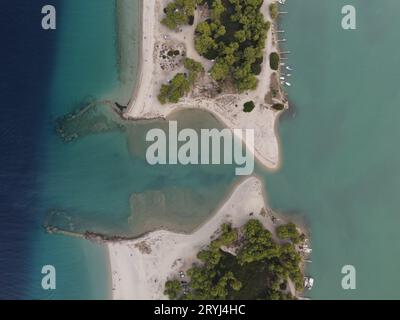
[139, 73]
[157, 255]
[139, 271]
[128, 51]
[141, 266]
[145, 105]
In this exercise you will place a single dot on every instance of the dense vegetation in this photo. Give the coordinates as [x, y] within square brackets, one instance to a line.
[289, 232]
[234, 36]
[274, 10]
[259, 270]
[179, 12]
[274, 60]
[181, 83]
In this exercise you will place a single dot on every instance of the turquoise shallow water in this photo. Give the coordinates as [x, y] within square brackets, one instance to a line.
[101, 182]
[84, 67]
[339, 143]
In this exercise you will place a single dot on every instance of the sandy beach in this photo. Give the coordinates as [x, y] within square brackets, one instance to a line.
[140, 267]
[226, 107]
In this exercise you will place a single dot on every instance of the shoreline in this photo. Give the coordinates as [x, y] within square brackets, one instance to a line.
[162, 249]
[120, 252]
[140, 267]
[144, 103]
[136, 88]
[103, 238]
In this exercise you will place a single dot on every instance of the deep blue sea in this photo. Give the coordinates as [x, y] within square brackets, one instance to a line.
[98, 182]
[27, 58]
[28, 69]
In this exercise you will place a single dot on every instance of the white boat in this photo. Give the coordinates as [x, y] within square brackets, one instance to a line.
[282, 78]
[308, 283]
[305, 248]
[289, 68]
[288, 84]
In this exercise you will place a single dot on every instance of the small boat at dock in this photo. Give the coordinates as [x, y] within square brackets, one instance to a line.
[308, 283]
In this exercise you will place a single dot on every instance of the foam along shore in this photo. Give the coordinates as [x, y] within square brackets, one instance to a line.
[141, 267]
[228, 108]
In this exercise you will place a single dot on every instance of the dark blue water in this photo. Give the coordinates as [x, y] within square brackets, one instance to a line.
[26, 55]
[46, 75]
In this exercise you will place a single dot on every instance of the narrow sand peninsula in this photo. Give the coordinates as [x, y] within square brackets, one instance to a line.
[228, 108]
[141, 267]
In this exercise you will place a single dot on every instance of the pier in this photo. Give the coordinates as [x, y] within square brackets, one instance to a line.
[282, 54]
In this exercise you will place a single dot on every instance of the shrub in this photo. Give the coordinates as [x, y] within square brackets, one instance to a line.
[274, 10]
[278, 106]
[274, 60]
[288, 232]
[249, 106]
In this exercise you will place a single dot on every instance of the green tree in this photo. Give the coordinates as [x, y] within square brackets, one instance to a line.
[204, 28]
[217, 10]
[204, 44]
[240, 36]
[274, 10]
[249, 106]
[175, 90]
[172, 289]
[178, 13]
[210, 257]
[274, 60]
[289, 232]
[220, 70]
[258, 244]
[194, 67]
